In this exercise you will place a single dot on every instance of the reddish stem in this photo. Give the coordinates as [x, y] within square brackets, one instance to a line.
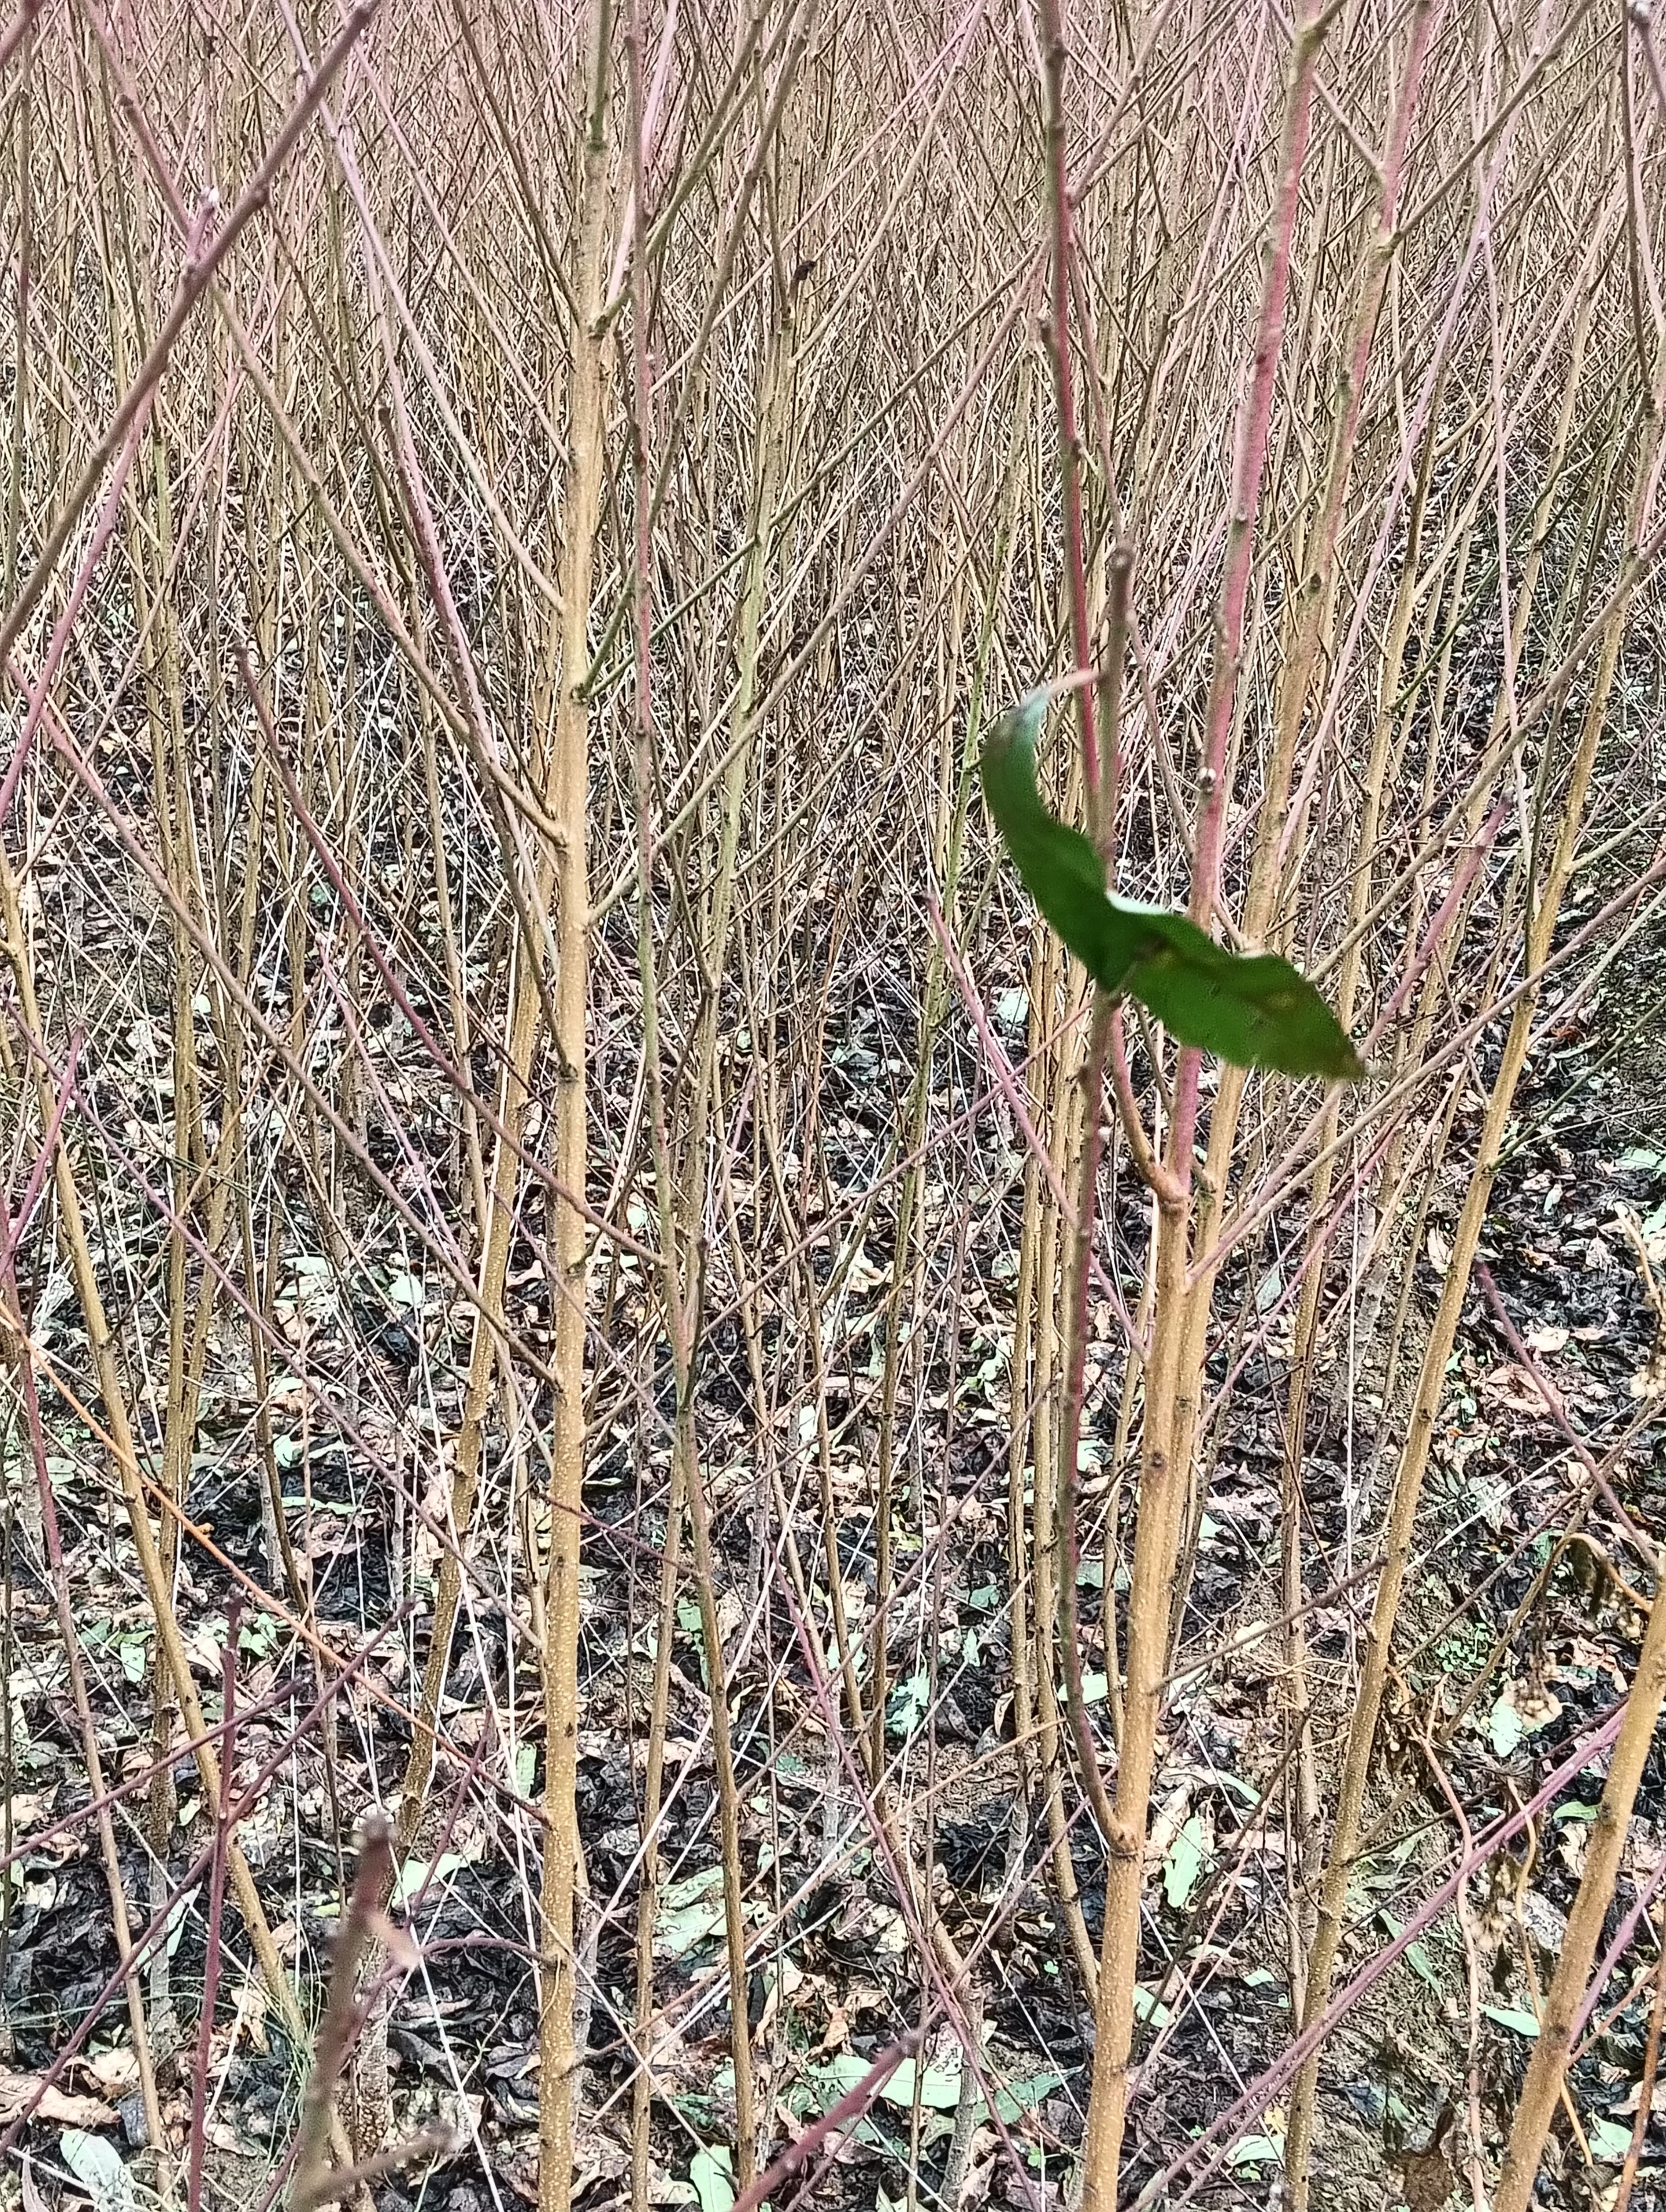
[1227, 2128]
[1254, 424]
[13, 1241]
[17, 30]
[195, 280]
[851, 2106]
[1070, 454]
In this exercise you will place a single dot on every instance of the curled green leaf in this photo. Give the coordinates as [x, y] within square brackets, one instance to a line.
[1254, 1010]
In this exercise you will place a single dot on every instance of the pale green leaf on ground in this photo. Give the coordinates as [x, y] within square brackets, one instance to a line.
[97, 2165]
[690, 1911]
[843, 2071]
[906, 1707]
[1608, 2140]
[1504, 1729]
[1255, 2150]
[939, 2085]
[415, 1872]
[1184, 1863]
[1024, 2095]
[1417, 1954]
[709, 2172]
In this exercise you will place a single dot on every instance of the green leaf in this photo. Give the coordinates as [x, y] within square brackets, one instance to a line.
[843, 2073]
[939, 2086]
[258, 1636]
[1417, 1956]
[1024, 2095]
[415, 1872]
[97, 2166]
[1504, 1730]
[677, 1933]
[1255, 2150]
[1184, 1863]
[906, 1707]
[1608, 2140]
[1519, 2023]
[708, 2171]
[1252, 1010]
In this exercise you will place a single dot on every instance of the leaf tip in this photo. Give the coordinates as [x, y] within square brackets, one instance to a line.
[1019, 723]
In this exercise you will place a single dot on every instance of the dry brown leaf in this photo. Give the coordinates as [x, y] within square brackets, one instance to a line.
[1649, 1380]
[115, 2072]
[59, 2105]
[1513, 1386]
[516, 2162]
[1426, 2178]
[1627, 2107]
[597, 2156]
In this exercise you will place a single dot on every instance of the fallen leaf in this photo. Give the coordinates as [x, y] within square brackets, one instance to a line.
[56, 2104]
[97, 2165]
[115, 2072]
[713, 2186]
[516, 2162]
[1514, 1387]
[1426, 2176]
[939, 2085]
[1627, 2104]
[1608, 2142]
[1520, 1711]
[1649, 1380]
[1186, 1858]
[597, 2156]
